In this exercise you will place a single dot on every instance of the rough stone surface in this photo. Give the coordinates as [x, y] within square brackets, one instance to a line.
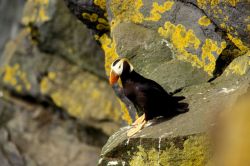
[60, 34]
[230, 16]
[35, 136]
[9, 20]
[56, 59]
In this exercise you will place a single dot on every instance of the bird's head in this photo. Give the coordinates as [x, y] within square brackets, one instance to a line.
[119, 67]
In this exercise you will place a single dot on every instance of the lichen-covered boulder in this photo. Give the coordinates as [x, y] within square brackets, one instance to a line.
[230, 17]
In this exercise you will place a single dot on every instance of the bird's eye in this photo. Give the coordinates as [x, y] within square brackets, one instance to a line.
[119, 66]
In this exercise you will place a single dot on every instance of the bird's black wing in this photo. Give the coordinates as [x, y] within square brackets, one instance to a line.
[150, 86]
[153, 90]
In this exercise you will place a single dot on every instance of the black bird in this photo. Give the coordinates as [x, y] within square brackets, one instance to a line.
[150, 99]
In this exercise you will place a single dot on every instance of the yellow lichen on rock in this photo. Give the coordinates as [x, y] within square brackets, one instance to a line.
[233, 2]
[102, 24]
[208, 59]
[194, 153]
[204, 21]
[36, 11]
[52, 75]
[239, 65]
[109, 48]
[91, 17]
[183, 39]
[44, 85]
[103, 21]
[248, 28]
[223, 25]
[228, 28]
[128, 10]
[238, 43]
[204, 3]
[213, 3]
[100, 3]
[56, 96]
[10, 74]
[126, 117]
[15, 77]
[157, 10]
[179, 36]
[102, 27]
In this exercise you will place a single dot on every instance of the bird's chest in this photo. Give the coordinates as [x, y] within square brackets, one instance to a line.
[131, 91]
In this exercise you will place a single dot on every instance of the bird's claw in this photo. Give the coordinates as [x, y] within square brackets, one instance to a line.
[136, 128]
[139, 120]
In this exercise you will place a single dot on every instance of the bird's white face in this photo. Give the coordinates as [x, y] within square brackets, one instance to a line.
[117, 69]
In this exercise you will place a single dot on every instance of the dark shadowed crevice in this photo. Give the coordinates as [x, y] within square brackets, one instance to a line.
[225, 58]
[92, 135]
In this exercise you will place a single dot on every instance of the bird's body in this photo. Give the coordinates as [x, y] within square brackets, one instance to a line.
[149, 97]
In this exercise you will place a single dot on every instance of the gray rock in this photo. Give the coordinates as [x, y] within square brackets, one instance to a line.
[36, 136]
[13, 155]
[53, 52]
[62, 35]
[9, 20]
[3, 160]
[230, 16]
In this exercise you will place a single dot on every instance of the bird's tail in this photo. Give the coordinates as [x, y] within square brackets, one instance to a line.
[180, 106]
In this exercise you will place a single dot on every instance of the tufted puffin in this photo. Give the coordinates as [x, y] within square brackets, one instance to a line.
[150, 99]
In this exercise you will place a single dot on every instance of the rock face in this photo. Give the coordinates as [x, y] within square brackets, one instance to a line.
[36, 136]
[9, 20]
[201, 47]
[55, 59]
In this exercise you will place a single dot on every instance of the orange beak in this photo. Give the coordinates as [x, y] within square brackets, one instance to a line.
[113, 78]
